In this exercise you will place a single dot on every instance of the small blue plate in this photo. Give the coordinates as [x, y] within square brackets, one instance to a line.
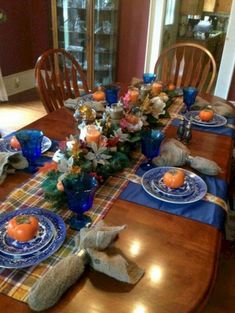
[200, 188]
[59, 234]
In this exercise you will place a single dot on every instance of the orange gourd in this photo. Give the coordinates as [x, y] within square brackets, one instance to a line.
[174, 178]
[22, 227]
[134, 95]
[206, 115]
[99, 95]
[15, 143]
[156, 88]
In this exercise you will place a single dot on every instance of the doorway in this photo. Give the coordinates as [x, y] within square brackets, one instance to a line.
[195, 21]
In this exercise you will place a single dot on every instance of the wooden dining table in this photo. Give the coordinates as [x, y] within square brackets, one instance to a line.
[179, 255]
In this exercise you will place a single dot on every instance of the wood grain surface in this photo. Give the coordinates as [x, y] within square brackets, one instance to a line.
[179, 256]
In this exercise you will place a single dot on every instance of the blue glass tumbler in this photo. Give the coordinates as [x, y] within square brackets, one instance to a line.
[31, 145]
[80, 193]
[111, 94]
[189, 95]
[150, 146]
[148, 78]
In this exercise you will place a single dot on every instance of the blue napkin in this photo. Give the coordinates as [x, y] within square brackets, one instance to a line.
[202, 211]
[222, 130]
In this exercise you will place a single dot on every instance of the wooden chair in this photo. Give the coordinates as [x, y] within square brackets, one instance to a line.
[58, 77]
[187, 64]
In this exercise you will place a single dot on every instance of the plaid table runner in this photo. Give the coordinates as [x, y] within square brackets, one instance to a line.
[16, 283]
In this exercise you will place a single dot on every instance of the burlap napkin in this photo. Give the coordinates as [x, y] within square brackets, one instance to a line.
[9, 162]
[218, 107]
[95, 244]
[174, 153]
[74, 103]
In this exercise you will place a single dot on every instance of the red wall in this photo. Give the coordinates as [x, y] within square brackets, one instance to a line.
[24, 35]
[133, 27]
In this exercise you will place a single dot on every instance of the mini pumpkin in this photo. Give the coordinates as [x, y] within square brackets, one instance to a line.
[134, 94]
[156, 88]
[99, 95]
[171, 86]
[132, 119]
[174, 178]
[206, 115]
[22, 227]
[15, 143]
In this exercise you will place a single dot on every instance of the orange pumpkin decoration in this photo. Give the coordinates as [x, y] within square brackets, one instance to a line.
[171, 86]
[133, 94]
[99, 95]
[22, 227]
[132, 119]
[206, 115]
[15, 143]
[156, 88]
[174, 178]
[60, 186]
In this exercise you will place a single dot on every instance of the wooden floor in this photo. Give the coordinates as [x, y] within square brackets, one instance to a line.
[26, 107]
[19, 111]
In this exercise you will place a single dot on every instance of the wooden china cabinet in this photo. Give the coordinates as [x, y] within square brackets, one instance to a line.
[191, 7]
[88, 30]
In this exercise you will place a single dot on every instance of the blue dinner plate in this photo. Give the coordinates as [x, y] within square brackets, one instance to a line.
[217, 121]
[157, 173]
[6, 147]
[58, 228]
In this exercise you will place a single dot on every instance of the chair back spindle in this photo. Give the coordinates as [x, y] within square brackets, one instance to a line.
[58, 77]
[187, 64]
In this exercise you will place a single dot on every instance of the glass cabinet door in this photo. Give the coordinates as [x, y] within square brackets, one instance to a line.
[105, 41]
[72, 29]
[88, 30]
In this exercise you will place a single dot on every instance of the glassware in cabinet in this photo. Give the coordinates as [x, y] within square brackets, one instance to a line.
[88, 30]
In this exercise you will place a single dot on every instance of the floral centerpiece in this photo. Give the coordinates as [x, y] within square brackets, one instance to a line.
[105, 142]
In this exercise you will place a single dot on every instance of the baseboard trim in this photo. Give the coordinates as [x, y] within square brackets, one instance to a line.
[18, 82]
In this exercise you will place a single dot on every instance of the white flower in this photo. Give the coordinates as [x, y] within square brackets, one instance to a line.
[163, 96]
[158, 107]
[122, 136]
[98, 156]
[64, 165]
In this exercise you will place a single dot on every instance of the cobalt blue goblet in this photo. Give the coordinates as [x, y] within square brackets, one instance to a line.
[31, 145]
[189, 95]
[80, 195]
[150, 146]
[111, 94]
[148, 78]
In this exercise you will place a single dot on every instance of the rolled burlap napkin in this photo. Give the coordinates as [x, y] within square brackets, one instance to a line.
[10, 162]
[218, 107]
[65, 273]
[174, 153]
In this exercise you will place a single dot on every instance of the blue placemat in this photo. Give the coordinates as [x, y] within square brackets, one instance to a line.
[202, 211]
[223, 130]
